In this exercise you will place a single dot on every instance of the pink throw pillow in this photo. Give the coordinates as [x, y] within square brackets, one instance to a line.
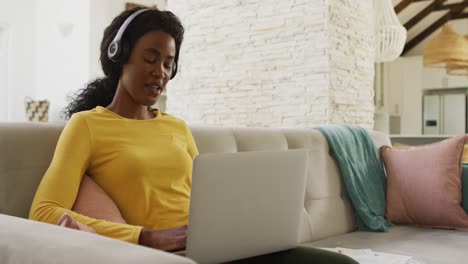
[424, 184]
[92, 201]
[67, 221]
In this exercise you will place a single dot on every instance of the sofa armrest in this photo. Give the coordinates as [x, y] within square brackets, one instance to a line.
[27, 241]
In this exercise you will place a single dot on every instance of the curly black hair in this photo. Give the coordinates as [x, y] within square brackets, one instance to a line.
[101, 91]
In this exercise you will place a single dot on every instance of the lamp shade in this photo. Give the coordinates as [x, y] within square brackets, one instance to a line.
[390, 35]
[457, 68]
[447, 48]
[454, 69]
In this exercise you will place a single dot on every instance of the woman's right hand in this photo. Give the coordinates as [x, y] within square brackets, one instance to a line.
[167, 240]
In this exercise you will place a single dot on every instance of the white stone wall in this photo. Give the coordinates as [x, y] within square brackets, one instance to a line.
[270, 63]
[351, 36]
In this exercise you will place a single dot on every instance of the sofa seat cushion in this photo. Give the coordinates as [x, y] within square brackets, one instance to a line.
[27, 241]
[434, 246]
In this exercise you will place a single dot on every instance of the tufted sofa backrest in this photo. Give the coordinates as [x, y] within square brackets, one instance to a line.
[327, 210]
[27, 149]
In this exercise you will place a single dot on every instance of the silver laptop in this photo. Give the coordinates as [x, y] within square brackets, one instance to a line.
[245, 204]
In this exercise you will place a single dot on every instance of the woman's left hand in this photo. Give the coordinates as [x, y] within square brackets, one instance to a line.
[168, 240]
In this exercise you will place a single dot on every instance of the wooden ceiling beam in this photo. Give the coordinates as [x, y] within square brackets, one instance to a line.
[446, 6]
[402, 5]
[460, 16]
[453, 13]
[422, 14]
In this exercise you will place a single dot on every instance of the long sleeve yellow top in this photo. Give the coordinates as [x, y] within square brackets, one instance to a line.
[144, 165]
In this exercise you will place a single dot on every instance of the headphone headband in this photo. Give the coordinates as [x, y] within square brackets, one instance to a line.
[115, 48]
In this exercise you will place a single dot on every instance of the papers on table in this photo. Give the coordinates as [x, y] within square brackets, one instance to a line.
[367, 256]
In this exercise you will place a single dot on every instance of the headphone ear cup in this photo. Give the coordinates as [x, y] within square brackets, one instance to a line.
[174, 70]
[124, 52]
[114, 50]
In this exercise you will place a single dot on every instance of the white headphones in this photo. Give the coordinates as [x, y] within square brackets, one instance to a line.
[115, 48]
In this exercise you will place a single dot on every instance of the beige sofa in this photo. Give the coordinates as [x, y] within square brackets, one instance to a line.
[327, 219]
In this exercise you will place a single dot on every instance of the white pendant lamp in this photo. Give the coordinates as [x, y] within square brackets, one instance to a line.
[390, 35]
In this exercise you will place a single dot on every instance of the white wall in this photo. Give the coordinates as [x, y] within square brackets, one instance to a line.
[61, 72]
[4, 50]
[53, 50]
[20, 64]
[61, 62]
[403, 79]
[240, 59]
[352, 49]
[274, 63]
[270, 63]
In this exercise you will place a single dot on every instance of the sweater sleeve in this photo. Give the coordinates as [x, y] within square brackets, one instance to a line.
[59, 187]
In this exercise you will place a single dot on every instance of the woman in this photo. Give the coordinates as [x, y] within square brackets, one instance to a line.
[140, 157]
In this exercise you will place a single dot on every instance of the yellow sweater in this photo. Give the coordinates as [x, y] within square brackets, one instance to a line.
[144, 165]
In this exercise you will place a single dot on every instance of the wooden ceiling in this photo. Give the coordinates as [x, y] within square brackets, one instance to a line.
[453, 10]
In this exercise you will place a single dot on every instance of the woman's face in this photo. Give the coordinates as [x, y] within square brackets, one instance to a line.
[149, 67]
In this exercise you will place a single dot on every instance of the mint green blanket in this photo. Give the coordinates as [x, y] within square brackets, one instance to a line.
[362, 172]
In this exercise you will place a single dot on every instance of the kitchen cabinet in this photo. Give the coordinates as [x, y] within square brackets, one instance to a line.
[437, 78]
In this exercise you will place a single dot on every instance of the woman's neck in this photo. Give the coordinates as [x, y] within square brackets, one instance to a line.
[124, 106]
